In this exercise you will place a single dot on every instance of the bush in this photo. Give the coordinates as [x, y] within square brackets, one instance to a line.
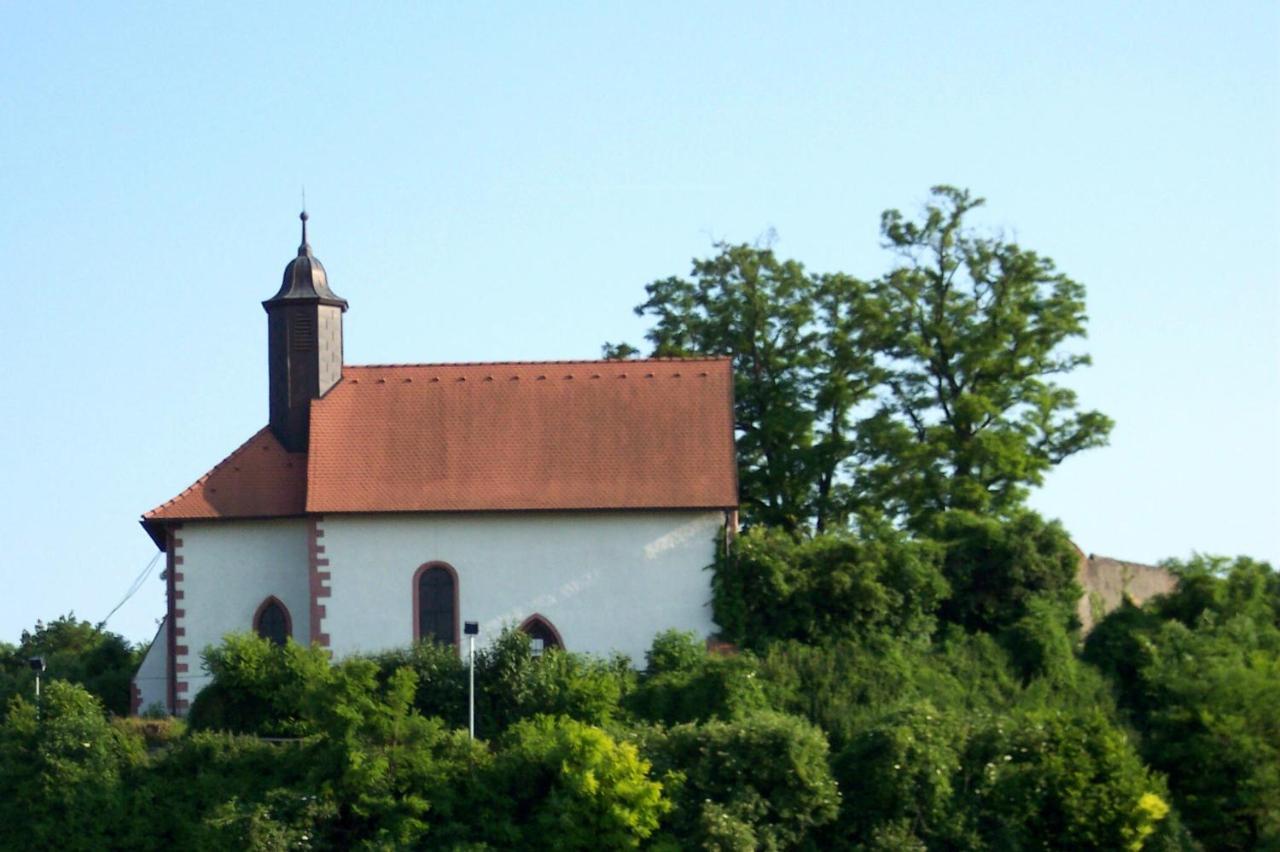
[761, 782]
[62, 773]
[442, 678]
[1072, 777]
[560, 784]
[686, 684]
[259, 687]
[996, 567]
[899, 780]
[512, 684]
[225, 791]
[772, 586]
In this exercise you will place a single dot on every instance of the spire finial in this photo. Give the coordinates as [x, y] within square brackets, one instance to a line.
[305, 248]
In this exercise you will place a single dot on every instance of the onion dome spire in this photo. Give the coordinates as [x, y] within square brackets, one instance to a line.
[305, 278]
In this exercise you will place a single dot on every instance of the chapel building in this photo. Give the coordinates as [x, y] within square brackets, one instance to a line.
[580, 501]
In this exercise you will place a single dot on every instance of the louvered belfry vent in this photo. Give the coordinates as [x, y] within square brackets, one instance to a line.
[304, 345]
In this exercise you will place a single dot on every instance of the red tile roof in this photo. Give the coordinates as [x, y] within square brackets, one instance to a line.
[654, 434]
[258, 480]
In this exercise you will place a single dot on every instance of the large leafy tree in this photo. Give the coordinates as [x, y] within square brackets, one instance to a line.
[75, 651]
[971, 414]
[929, 389]
[802, 361]
[747, 304]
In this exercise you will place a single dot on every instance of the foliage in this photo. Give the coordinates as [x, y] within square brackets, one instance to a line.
[441, 675]
[1198, 671]
[512, 684]
[225, 791]
[259, 687]
[971, 416]
[759, 782]
[392, 771]
[928, 389]
[62, 771]
[686, 684]
[770, 585]
[747, 304]
[1070, 777]
[561, 784]
[75, 651]
[899, 778]
[996, 567]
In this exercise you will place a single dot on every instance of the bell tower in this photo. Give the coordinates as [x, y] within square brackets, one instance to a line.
[304, 345]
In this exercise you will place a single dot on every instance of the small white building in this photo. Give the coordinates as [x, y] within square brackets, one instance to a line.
[579, 500]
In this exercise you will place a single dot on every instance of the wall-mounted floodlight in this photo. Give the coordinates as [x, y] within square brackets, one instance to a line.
[471, 629]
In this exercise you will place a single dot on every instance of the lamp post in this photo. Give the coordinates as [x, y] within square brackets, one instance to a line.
[37, 666]
[471, 628]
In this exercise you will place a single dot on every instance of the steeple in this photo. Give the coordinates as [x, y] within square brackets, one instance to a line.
[304, 344]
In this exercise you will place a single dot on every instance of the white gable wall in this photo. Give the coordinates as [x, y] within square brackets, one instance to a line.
[608, 581]
[228, 569]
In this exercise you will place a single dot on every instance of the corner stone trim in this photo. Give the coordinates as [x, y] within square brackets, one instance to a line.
[319, 580]
[179, 653]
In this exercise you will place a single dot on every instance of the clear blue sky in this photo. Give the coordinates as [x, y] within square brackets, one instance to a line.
[499, 181]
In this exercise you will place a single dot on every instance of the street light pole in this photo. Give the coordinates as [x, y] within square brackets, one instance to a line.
[471, 628]
[37, 666]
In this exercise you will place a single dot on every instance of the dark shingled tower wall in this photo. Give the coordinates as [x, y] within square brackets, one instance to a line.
[304, 345]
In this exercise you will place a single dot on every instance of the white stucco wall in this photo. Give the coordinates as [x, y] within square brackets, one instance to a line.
[151, 680]
[608, 581]
[228, 569]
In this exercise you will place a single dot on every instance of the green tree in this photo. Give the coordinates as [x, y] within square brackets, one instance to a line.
[561, 784]
[1198, 671]
[759, 782]
[970, 414]
[747, 304]
[76, 651]
[997, 566]
[62, 767]
[1068, 780]
[770, 585]
[260, 688]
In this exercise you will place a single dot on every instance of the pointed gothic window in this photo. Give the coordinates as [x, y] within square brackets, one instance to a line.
[542, 634]
[272, 621]
[436, 593]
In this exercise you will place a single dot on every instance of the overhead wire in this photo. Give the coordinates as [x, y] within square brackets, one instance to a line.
[133, 588]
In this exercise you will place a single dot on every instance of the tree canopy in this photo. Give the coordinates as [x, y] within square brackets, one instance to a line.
[929, 388]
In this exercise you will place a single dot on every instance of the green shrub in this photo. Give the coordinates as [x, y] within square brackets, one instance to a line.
[903, 772]
[225, 791]
[771, 585]
[62, 773]
[560, 784]
[674, 651]
[441, 674]
[259, 687]
[760, 782]
[512, 684]
[996, 567]
[1070, 777]
[686, 684]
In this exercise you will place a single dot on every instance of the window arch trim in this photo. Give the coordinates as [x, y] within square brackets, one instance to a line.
[417, 601]
[262, 608]
[540, 619]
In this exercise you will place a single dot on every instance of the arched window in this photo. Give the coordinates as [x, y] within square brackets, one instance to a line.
[435, 596]
[272, 621]
[542, 634]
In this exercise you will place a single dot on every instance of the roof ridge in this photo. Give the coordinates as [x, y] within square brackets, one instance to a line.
[615, 361]
[210, 472]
